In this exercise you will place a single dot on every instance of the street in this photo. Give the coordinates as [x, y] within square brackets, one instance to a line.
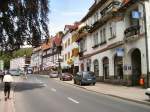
[42, 94]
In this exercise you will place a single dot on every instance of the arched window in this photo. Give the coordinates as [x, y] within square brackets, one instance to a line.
[118, 67]
[96, 67]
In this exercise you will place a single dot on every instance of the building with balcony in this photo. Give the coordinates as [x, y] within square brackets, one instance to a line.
[70, 49]
[113, 44]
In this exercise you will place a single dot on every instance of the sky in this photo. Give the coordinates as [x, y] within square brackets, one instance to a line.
[64, 12]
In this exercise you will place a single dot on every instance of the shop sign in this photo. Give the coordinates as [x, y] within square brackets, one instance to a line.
[120, 52]
[136, 15]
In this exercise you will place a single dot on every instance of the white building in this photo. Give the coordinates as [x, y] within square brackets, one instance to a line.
[115, 47]
[36, 59]
[17, 63]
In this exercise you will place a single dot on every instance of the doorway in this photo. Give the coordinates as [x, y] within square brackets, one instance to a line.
[136, 67]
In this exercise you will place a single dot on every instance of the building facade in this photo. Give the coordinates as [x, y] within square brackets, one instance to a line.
[113, 45]
[36, 59]
[70, 49]
[18, 63]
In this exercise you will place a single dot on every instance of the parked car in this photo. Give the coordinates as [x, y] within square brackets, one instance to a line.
[85, 77]
[66, 77]
[53, 74]
[14, 72]
[148, 92]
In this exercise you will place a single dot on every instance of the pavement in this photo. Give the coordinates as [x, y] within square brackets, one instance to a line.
[8, 106]
[135, 94]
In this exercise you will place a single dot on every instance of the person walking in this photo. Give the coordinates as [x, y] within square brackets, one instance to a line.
[7, 85]
[1, 75]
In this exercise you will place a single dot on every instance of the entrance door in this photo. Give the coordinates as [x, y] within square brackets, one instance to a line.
[118, 66]
[136, 67]
[96, 68]
[106, 68]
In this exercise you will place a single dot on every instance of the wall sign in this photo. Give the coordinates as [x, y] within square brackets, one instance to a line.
[120, 52]
[136, 15]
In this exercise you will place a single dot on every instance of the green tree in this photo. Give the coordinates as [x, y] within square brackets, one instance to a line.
[22, 20]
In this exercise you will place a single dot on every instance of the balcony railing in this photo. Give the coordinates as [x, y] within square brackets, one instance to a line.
[132, 30]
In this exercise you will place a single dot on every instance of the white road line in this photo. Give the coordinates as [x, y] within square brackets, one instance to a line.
[71, 99]
[53, 89]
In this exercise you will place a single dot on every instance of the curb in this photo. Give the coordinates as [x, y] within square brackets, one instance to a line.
[127, 99]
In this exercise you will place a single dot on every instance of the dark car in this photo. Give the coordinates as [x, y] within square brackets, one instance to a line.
[53, 74]
[86, 77]
[66, 77]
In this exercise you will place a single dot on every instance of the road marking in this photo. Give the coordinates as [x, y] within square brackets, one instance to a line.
[71, 99]
[53, 89]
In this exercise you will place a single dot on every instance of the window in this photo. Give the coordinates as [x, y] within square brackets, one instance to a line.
[83, 45]
[132, 20]
[111, 31]
[96, 17]
[103, 36]
[95, 39]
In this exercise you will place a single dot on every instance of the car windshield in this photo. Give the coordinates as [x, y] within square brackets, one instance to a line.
[88, 74]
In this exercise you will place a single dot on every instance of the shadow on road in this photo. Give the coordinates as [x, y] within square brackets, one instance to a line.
[25, 86]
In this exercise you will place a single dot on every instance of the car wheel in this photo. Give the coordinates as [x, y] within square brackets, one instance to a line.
[93, 84]
[74, 82]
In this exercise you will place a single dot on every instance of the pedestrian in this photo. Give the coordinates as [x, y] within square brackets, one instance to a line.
[7, 85]
[1, 75]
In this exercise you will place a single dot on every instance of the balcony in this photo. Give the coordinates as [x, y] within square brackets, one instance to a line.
[80, 34]
[128, 3]
[112, 7]
[132, 32]
[107, 13]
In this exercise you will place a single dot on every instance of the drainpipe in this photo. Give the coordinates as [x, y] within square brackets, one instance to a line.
[146, 41]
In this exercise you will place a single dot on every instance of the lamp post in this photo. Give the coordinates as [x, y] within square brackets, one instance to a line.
[146, 41]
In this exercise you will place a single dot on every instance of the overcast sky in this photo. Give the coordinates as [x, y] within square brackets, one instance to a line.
[66, 12]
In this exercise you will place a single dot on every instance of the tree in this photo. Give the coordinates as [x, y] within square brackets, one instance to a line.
[22, 20]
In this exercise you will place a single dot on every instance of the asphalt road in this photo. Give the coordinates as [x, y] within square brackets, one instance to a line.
[41, 94]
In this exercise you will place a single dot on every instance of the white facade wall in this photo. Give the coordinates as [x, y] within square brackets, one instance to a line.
[17, 63]
[36, 59]
[128, 47]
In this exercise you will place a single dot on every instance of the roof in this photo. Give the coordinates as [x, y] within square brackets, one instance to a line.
[47, 45]
[92, 9]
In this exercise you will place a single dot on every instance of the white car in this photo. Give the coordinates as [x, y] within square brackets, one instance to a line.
[148, 92]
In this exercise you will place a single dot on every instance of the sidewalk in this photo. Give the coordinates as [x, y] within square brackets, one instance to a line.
[7, 106]
[128, 93]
